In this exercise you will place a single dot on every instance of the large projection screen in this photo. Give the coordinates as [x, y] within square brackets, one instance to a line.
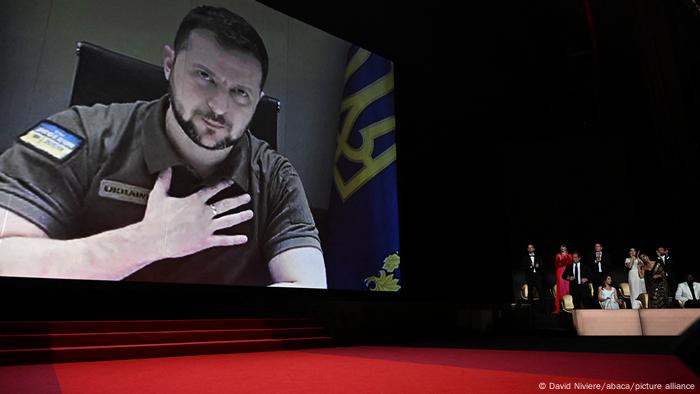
[335, 127]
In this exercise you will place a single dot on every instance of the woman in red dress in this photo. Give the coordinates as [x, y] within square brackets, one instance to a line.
[561, 260]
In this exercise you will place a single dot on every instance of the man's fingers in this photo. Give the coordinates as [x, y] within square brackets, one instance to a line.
[162, 185]
[227, 240]
[227, 221]
[208, 192]
[228, 204]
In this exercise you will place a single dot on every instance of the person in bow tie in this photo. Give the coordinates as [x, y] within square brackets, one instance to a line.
[532, 264]
[599, 264]
[668, 263]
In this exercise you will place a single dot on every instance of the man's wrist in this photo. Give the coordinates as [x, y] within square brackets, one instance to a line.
[117, 253]
[145, 244]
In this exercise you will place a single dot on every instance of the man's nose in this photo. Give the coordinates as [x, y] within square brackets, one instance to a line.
[219, 102]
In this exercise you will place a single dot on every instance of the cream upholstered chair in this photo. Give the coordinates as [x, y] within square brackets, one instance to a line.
[644, 299]
[625, 290]
[621, 296]
[524, 293]
[567, 303]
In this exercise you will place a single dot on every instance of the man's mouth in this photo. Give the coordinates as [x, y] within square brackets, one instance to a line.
[213, 123]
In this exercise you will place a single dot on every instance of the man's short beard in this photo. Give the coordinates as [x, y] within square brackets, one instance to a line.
[188, 125]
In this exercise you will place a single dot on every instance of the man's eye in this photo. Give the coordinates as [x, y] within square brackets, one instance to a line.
[205, 76]
[240, 92]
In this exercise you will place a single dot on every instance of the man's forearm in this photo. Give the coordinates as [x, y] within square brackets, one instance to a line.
[111, 255]
[171, 227]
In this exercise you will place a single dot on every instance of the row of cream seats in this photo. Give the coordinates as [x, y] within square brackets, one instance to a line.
[567, 302]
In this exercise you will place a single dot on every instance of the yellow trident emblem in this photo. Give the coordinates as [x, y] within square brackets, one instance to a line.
[354, 105]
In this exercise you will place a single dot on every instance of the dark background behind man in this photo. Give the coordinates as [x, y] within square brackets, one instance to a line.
[622, 113]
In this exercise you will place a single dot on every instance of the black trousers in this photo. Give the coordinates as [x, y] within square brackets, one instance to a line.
[692, 304]
[535, 281]
[581, 295]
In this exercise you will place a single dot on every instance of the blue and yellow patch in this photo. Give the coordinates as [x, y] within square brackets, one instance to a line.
[51, 140]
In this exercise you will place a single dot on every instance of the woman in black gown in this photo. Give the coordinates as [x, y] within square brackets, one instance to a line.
[655, 280]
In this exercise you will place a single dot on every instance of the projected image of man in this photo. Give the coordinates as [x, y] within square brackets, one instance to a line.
[174, 190]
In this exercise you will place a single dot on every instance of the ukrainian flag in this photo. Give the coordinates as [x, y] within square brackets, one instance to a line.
[362, 250]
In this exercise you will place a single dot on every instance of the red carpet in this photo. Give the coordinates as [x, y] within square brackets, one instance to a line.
[351, 370]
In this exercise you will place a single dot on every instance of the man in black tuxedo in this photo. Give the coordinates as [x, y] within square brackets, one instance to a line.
[533, 266]
[599, 265]
[578, 275]
[669, 265]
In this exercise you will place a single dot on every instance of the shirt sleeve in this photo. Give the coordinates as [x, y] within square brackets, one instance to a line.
[290, 223]
[41, 185]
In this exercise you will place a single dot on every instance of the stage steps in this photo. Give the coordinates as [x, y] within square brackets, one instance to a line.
[23, 342]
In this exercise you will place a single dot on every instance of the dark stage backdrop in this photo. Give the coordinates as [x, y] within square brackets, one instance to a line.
[547, 121]
[603, 142]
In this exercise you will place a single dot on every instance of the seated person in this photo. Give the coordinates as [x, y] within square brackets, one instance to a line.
[607, 295]
[688, 292]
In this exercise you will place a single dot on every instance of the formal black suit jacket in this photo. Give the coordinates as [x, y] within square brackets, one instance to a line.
[668, 265]
[526, 263]
[669, 268]
[569, 271]
[604, 264]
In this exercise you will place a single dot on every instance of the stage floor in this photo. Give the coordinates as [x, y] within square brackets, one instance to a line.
[360, 369]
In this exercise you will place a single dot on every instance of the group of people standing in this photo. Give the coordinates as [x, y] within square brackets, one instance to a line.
[573, 275]
[650, 276]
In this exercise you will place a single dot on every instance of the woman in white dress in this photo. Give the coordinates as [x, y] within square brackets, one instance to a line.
[635, 277]
[607, 295]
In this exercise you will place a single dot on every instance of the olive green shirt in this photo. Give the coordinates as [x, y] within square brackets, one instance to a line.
[102, 179]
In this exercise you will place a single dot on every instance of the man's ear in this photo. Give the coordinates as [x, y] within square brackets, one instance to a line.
[168, 61]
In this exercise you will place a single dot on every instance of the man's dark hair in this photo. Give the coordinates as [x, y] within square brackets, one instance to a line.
[231, 32]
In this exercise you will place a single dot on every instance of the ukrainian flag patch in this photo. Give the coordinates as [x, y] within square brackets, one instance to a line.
[51, 140]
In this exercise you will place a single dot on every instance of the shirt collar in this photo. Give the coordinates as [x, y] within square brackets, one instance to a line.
[160, 154]
[236, 166]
